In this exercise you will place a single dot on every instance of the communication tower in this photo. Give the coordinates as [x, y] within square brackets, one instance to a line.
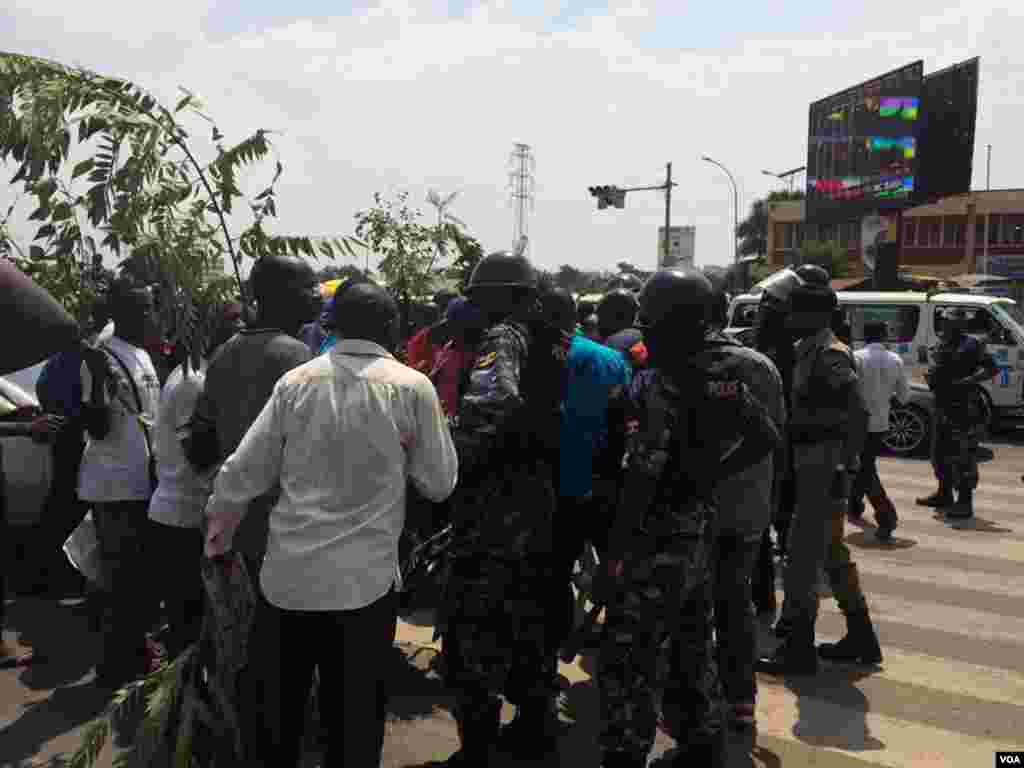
[521, 184]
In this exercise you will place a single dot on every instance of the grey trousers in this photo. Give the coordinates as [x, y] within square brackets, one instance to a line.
[812, 527]
[734, 558]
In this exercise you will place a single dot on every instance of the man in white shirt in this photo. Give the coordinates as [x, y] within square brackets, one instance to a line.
[120, 390]
[176, 509]
[341, 434]
[881, 380]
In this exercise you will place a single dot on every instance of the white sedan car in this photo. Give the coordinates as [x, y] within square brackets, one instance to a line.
[27, 465]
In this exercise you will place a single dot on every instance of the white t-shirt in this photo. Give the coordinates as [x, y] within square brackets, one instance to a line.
[181, 496]
[116, 468]
[881, 379]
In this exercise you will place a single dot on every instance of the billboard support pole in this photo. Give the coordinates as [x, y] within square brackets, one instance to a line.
[668, 208]
[899, 246]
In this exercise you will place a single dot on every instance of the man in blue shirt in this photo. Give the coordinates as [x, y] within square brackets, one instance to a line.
[594, 374]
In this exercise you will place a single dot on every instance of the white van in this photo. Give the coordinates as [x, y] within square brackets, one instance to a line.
[914, 320]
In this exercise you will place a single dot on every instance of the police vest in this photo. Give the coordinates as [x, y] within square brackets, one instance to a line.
[697, 419]
[820, 410]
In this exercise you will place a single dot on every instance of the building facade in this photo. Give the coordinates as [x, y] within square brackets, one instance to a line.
[682, 243]
[978, 232]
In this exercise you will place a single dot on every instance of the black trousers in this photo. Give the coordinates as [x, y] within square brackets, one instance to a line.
[6, 553]
[64, 511]
[351, 650]
[578, 520]
[176, 554]
[122, 528]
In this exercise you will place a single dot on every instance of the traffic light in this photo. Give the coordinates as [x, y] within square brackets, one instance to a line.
[608, 196]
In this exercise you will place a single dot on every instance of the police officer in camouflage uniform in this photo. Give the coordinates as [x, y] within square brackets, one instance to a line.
[959, 364]
[498, 599]
[828, 425]
[685, 424]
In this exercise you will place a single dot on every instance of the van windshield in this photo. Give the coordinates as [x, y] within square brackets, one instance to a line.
[1010, 314]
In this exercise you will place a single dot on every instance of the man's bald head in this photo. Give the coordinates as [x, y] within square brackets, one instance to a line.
[284, 290]
[368, 312]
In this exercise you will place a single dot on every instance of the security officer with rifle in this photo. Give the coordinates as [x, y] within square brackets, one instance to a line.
[498, 600]
[828, 425]
[684, 425]
[959, 364]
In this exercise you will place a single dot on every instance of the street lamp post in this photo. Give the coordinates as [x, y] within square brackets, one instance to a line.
[787, 175]
[735, 206]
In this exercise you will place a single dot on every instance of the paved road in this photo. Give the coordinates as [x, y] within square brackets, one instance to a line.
[948, 602]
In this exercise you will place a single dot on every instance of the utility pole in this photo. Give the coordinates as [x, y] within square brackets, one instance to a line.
[988, 170]
[615, 197]
[668, 207]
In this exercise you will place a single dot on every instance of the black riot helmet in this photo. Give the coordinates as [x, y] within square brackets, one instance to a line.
[777, 289]
[675, 311]
[616, 312]
[503, 283]
[812, 302]
[954, 325]
[675, 294]
[502, 269]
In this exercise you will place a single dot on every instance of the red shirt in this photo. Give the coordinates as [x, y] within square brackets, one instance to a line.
[450, 366]
[420, 352]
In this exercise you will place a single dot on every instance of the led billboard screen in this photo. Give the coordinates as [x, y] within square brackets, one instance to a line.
[949, 101]
[862, 151]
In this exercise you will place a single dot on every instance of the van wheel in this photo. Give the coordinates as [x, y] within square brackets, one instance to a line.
[909, 431]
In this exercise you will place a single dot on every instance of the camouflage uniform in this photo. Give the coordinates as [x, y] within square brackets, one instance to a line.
[499, 570]
[673, 436]
[957, 413]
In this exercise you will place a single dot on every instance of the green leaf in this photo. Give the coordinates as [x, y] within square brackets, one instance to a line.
[35, 252]
[83, 167]
[39, 214]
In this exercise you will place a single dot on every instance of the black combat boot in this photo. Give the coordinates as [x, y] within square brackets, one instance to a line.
[796, 655]
[938, 500]
[964, 507]
[532, 733]
[703, 751]
[860, 646]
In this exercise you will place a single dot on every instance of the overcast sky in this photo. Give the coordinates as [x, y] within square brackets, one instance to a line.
[418, 94]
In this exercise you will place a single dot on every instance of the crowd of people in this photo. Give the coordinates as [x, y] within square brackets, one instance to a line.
[310, 438]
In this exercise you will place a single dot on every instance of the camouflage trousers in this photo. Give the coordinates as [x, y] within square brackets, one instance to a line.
[667, 594]
[497, 616]
[954, 457]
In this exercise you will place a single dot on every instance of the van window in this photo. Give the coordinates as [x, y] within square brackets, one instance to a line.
[980, 323]
[1008, 310]
[902, 320]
